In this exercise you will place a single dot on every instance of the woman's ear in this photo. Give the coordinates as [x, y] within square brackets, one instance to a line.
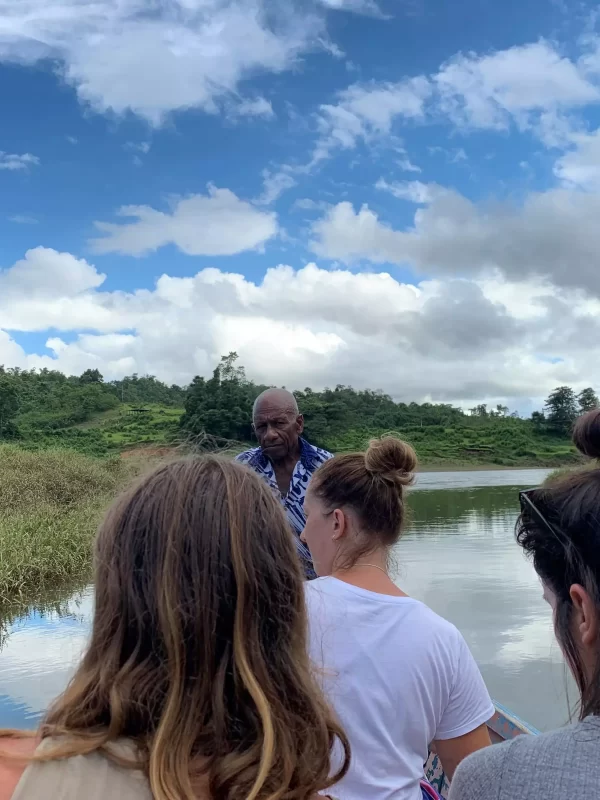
[585, 619]
[340, 524]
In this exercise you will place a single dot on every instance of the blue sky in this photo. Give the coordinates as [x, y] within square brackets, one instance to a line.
[400, 195]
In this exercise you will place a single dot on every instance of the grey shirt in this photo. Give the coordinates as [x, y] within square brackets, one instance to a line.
[561, 765]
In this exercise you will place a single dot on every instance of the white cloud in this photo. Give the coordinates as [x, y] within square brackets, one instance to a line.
[139, 147]
[184, 54]
[307, 204]
[438, 334]
[12, 161]
[369, 7]
[581, 166]
[45, 272]
[368, 111]
[274, 185]
[406, 164]
[215, 224]
[23, 219]
[414, 191]
[492, 90]
[553, 234]
[253, 107]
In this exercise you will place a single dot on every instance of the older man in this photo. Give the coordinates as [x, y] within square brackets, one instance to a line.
[284, 459]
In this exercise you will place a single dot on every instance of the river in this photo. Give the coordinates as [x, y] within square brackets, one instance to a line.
[458, 556]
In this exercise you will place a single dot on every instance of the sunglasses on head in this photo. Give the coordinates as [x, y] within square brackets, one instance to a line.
[529, 507]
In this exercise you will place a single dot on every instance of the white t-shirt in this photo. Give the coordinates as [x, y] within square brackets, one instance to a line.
[399, 676]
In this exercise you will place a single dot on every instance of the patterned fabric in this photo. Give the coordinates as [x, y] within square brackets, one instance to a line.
[311, 459]
[428, 792]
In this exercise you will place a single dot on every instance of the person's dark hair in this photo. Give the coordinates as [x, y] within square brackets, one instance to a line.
[198, 651]
[372, 485]
[568, 552]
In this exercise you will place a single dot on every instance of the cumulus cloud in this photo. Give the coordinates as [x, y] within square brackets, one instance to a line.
[492, 90]
[553, 234]
[532, 86]
[368, 7]
[310, 326]
[414, 191]
[368, 111]
[581, 165]
[253, 107]
[184, 54]
[13, 162]
[274, 185]
[215, 224]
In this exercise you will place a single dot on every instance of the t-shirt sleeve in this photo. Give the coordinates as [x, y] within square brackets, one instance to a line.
[479, 776]
[469, 704]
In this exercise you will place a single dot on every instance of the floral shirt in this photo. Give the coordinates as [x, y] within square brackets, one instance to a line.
[311, 458]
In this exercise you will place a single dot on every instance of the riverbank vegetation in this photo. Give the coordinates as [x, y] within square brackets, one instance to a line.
[46, 409]
[66, 445]
[50, 506]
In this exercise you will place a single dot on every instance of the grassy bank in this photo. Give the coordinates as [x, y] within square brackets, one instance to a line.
[491, 444]
[50, 506]
[51, 500]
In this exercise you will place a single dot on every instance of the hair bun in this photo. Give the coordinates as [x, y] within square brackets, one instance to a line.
[391, 457]
[586, 434]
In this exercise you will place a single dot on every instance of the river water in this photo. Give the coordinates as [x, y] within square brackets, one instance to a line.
[458, 556]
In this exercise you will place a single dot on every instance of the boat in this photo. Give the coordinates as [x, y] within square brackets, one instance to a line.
[504, 725]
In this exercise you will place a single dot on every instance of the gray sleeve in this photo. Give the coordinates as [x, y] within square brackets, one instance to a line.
[479, 776]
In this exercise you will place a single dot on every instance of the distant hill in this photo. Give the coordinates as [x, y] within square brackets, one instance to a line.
[46, 409]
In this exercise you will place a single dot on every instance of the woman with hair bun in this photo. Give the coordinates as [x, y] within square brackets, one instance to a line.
[559, 528]
[399, 676]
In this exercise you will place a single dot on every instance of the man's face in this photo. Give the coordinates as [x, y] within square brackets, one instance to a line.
[277, 429]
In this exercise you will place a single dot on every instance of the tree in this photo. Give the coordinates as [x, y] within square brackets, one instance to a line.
[562, 409]
[587, 400]
[91, 376]
[538, 420]
[479, 411]
[9, 406]
[222, 405]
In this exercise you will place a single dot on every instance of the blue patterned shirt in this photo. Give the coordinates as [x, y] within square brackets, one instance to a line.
[311, 459]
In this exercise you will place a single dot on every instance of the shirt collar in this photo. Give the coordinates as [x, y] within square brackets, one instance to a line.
[307, 456]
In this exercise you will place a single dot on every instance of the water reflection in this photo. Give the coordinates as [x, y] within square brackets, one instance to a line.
[459, 557]
[40, 651]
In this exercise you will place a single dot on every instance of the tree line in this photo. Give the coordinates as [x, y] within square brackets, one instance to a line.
[48, 400]
[221, 406]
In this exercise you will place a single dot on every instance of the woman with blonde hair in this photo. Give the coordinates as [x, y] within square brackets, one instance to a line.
[399, 676]
[196, 682]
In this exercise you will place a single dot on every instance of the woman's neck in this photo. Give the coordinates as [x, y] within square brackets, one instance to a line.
[370, 572]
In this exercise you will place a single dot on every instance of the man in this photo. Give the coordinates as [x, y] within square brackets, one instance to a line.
[284, 459]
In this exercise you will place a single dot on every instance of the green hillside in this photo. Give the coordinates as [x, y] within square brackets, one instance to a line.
[48, 410]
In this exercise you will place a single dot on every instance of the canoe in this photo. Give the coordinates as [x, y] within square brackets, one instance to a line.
[503, 725]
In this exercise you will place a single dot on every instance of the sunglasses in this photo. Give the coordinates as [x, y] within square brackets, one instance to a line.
[530, 508]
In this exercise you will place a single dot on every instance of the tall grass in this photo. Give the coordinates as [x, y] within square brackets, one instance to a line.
[50, 505]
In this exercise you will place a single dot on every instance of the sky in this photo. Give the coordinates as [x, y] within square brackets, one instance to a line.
[392, 194]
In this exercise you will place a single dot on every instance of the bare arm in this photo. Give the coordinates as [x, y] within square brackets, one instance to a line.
[12, 766]
[452, 751]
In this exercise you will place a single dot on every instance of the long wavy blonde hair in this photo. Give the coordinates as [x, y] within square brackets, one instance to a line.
[198, 650]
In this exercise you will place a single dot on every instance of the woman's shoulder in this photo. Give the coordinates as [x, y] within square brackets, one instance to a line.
[95, 773]
[17, 751]
[527, 764]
